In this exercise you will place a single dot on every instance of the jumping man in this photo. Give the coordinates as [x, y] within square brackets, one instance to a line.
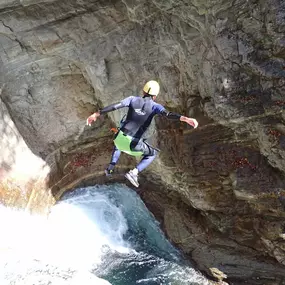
[141, 111]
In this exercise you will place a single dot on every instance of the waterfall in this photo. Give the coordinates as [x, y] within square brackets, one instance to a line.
[95, 235]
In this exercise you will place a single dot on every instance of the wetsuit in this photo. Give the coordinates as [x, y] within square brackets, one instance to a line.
[140, 114]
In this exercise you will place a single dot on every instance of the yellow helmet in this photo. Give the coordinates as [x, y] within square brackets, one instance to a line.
[151, 88]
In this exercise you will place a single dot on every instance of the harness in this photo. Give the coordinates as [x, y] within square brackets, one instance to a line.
[123, 141]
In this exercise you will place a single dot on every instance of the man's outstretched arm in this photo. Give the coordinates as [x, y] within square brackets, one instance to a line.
[107, 109]
[173, 116]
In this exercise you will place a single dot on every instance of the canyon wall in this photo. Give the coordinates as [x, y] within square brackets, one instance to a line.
[218, 190]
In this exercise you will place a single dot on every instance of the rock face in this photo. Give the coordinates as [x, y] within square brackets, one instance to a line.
[218, 190]
[22, 174]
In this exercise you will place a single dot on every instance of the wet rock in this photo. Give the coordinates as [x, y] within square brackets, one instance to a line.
[218, 273]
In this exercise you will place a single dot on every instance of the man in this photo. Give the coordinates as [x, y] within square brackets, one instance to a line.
[129, 137]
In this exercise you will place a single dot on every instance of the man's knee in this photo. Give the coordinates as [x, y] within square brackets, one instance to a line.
[153, 152]
[148, 150]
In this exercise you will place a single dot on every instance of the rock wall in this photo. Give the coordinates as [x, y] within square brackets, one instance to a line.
[218, 190]
[22, 174]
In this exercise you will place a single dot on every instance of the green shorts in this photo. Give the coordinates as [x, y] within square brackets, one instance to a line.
[123, 143]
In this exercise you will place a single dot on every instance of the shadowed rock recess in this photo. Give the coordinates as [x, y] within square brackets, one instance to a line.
[219, 190]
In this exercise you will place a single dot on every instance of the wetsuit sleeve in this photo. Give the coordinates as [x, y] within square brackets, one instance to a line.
[170, 115]
[162, 111]
[124, 103]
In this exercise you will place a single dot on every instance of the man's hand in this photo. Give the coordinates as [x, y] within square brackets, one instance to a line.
[190, 121]
[92, 118]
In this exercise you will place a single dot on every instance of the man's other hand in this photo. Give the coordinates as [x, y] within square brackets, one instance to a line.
[190, 121]
[92, 118]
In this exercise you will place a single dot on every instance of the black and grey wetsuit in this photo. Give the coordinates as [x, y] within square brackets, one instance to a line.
[140, 114]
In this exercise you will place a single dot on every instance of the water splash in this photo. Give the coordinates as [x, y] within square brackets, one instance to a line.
[92, 235]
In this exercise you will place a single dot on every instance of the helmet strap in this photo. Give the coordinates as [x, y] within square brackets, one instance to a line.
[145, 95]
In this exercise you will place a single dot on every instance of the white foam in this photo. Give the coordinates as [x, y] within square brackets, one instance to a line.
[71, 237]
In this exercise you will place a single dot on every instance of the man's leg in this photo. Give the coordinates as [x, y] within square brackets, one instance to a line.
[114, 159]
[146, 161]
[149, 154]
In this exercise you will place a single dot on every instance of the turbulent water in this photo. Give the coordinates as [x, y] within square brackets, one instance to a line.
[96, 235]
